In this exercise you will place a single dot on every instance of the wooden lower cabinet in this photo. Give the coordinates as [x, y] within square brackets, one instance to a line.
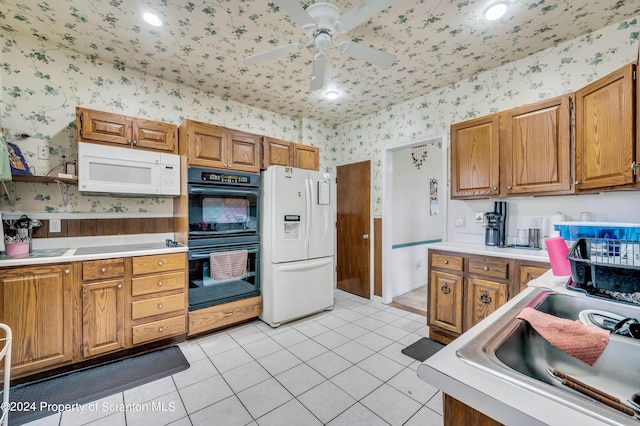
[445, 301]
[530, 271]
[37, 303]
[224, 315]
[484, 297]
[456, 413]
[103, 317]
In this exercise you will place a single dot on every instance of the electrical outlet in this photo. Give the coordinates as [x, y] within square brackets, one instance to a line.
[461, 222]
[536, 222]
[43, 153]
[64, 153]
[479, 217]
[55, 225]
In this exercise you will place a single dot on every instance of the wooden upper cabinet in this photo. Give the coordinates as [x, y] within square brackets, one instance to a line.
[475, 167]
[109, 128]
[604, 137]
[207, 145]
[306, 157]
[535, 144]
[276, 152]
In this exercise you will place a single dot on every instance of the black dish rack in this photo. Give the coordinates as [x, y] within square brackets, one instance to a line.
[606, 265]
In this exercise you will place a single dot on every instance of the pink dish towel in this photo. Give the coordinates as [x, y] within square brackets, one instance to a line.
[228, 265]
[581, 341]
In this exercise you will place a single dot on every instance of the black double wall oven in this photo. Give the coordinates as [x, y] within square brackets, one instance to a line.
[224, 239]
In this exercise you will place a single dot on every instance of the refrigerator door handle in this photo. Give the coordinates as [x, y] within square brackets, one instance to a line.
[300, 266]
[309, 218]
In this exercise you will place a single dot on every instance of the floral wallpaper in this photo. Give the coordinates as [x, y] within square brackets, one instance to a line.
[42, 84]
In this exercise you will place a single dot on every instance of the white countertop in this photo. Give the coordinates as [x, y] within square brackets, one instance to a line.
[498, 398]
[509, 252]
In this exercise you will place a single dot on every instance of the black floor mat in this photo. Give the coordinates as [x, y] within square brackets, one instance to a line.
[422, 349]
[47, 396]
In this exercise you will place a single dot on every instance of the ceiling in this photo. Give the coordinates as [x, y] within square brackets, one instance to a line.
[202, 43]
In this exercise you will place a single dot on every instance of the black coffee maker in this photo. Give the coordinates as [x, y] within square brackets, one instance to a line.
[496, 221]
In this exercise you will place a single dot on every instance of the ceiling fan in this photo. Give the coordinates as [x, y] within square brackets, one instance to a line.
[321, 21]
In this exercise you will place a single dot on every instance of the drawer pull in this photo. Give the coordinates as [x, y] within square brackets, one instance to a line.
[160, 306]
[227, 314]
[485, 298]
[103, 270]
[161, 262]
[67, 271]
[486, 268]
[446, 262]
[160, 283]
[119, 285]
[445, 289]
[161, 329]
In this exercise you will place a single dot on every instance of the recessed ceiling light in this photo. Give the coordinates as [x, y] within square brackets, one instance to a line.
[331, 94]
[152, 19]
[495, 11]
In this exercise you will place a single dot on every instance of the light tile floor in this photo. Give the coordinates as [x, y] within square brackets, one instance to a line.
[339, 367]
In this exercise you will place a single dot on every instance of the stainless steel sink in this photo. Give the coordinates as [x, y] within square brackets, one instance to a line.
[514, 351]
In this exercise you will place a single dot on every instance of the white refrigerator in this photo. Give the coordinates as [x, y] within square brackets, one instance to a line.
[297, 235]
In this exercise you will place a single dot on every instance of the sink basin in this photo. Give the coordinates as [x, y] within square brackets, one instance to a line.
[514, 351]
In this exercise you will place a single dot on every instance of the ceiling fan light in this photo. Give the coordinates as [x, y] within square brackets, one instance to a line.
[152, 19]
[495, 11]
[332, 94]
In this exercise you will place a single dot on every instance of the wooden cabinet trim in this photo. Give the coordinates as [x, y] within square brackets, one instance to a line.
[219, 316]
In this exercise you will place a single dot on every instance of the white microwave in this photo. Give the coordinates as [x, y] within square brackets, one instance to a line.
[104, 169]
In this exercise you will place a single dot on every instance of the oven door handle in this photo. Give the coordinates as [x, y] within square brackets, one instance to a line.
[216, 190]
[205, 254]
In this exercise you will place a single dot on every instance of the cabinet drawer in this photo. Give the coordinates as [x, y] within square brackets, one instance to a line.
[158, 329]
[157, 283]
[103, 268]
[489, 267]
[218, 316]
[158, 263]
[157, 306]
[446, 261]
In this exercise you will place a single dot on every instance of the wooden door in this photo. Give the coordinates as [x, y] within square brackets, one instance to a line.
[353, 222]
[535, 144]
[37, 304]
[98, 126]
[484, 297]
[102, 317]
[205, 144]
[445, 301]
[475, 165]
[243, 151]
[276, 152]
[306, 157]
[605, 145]
[155, 135]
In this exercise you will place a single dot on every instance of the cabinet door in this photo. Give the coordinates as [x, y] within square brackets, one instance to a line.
[37, 303]
[484, 297]
[530, 272]
[243, 151]
[306, 157]
[206, 145]
[475, 166]
[445, 301]
[155, 135]
[102, 317]
[276, 152]
[605, 146]
[98, 126]
[535, 144]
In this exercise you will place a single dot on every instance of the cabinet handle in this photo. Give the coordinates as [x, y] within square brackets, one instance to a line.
[160, 283]
[103, 270]
[160, 263]
[135, 142]
[446, 262]
[577, 182]
[486, 268]
[67, 271]
[227, 314]
[119, 285]
[129, 141]
[445, 289]
[485, 298]
[509, 188]
[160, 306]
[161, 329]
[495, 188]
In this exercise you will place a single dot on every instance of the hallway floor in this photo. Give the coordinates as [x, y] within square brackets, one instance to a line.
[340, 367]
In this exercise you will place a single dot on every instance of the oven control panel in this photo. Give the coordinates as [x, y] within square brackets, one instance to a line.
[225, 178]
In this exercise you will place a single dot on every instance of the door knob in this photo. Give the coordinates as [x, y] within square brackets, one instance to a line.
[365, 236]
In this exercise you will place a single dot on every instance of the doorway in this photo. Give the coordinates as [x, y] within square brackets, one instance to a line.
[414, 211]
[353, 192]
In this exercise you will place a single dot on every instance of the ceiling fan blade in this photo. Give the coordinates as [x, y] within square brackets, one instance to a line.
[272, 54]
[361, 13]
[295, 12]
[367, 54]
[317, 75]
